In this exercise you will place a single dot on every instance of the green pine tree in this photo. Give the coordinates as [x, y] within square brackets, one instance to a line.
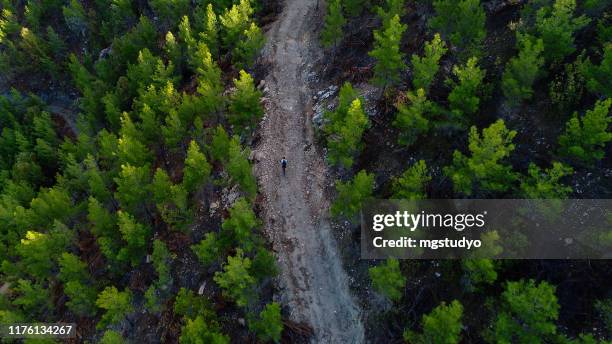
[585, 137]
[485, 167]
[426, 67]
[387, 53]
[388, 280]
[351, 194]
[412, 183]
[334, 21]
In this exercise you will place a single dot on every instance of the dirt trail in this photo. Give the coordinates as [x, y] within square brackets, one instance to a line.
[314, 284]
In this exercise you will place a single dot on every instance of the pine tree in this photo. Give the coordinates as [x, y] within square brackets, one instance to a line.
[334, 21]
[239, 168]
[235, 280]
[248, 47]
[234, 21]
[219, 147]
[198, 330]
[37, 251]
[210, 32]
[73, 273]
[264, 265]
[344, 140]
[351, 194]
[174, 131]
[585, 137]
[485, 167]
[390, 10]
[197, 169]
[116, 304]
[161, 259]
[523, 70]
[354, 7]
[464, 99]
[599, 78]
[210, 87]
[345, 98]
[269, 326]
[546, 184]
[386, 52]
[387, 279]
[245, 108]
[112, 337]
[412, 183]
[189, 305]
[528, 313]
[479, 272]
[241, 223]
[461, 22]
[207, 249]
[442, 325]
[132, 191]
[33, 297]
[135, 236]
[170, 11]
[75, 17]
[173, 51]
[556, 27]
[102, 220]
[411, 118]
[132, 152]
[95, 180]
[426, 67]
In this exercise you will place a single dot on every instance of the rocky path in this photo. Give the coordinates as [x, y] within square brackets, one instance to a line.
[313, 282]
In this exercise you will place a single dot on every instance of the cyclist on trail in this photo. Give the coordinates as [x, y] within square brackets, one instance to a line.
[283, 163]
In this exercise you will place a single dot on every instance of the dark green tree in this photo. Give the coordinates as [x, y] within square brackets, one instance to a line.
[485, 167]
[241, 223]
[556, 27]
[546, 184]
[245, 107]
[585, 137]
[239, 168]
[426, 67]
[269, 326]
[528, 313]
[197, 169]
[334, 21]
[462, 23]
[135, 236]
[599, 78]
[411, 118]
[235, 280]
[387, 279]
[523, 70]
[116, 305]
[387, 53]
[198, 330]
[412, 183]
[344, 135]
[464, 98]
[351, 194]
[443, 325]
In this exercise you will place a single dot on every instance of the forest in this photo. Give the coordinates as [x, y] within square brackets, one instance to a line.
[130, 132]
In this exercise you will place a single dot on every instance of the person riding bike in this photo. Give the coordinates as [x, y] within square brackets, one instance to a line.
[283, 163]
